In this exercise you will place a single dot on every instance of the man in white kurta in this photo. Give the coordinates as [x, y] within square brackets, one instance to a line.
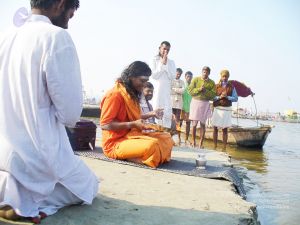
[177, 89]
[163, 72]
[40, 94]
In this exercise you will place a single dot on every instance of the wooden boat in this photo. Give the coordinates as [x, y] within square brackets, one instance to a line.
[251, 137]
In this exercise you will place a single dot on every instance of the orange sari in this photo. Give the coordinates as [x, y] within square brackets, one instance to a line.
[151, 149]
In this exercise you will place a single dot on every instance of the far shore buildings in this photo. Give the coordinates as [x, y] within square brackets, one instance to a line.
[288, 115]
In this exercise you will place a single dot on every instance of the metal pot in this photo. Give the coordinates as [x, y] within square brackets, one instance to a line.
[201, 161]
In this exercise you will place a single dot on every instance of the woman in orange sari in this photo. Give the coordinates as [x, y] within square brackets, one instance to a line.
[122, 123]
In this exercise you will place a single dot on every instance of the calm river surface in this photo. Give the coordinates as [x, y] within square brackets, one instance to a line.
[272, 175]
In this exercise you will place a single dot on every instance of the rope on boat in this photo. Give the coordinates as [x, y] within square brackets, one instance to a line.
[255, 110]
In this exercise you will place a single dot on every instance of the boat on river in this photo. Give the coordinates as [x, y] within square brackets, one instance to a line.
[250, 137]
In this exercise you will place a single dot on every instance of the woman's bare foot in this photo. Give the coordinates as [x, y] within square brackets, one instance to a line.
[135, 160]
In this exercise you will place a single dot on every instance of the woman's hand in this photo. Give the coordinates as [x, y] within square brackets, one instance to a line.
[114, 125]
[138, 124]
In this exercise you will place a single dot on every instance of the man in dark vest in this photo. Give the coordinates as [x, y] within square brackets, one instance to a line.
[226, 94]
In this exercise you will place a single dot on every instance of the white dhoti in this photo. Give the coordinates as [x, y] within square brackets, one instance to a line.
[221, 117]
[24, 202]
[40, 94]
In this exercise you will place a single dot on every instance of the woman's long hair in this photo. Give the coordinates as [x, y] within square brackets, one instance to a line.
[135, 69]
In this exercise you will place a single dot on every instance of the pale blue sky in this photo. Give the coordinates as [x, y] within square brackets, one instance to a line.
[258, 41]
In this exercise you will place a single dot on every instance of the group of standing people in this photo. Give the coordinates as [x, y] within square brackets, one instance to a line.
[189, 101]
[41, 93]
[204, 90]
[126, 110]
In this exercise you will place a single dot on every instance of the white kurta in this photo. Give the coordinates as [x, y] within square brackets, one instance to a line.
[40, 93]
[162, 76]
[177, 89]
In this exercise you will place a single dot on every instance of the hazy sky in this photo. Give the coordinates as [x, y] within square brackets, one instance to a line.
[258, 41]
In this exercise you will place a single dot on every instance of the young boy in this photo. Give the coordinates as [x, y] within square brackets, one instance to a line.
[147, 110]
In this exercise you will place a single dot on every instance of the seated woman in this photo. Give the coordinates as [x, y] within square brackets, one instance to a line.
[122, 125]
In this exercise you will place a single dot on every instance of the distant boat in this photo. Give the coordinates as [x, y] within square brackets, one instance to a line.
[251, 137]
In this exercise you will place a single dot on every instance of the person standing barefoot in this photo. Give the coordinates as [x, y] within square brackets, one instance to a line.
[163, 72]
[221, 118]
[184, 116]
[202, 90]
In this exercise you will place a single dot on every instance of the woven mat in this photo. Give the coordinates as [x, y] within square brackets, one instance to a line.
[179, 166]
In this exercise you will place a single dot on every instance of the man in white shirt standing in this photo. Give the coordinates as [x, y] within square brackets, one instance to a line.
[40, 94]
[163, 72]
[177, 89]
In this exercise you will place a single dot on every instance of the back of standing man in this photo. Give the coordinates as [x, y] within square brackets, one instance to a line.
[40, 94]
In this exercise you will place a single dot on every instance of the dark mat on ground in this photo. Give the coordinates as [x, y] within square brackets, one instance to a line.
[180, 167]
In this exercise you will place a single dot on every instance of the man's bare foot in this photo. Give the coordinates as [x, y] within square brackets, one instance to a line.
[193, 144]
[9, 213]
[37, 219]
[179, 142]
[187, 143]
[201, 146]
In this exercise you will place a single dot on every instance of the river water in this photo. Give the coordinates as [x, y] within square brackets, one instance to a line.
[271, 175]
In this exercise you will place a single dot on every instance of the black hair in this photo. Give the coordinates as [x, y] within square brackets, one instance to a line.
[135, 69]
[179, 70]
[189, 73]
[165, 43]
[207, 69]
[149, 85]
[47, 4]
